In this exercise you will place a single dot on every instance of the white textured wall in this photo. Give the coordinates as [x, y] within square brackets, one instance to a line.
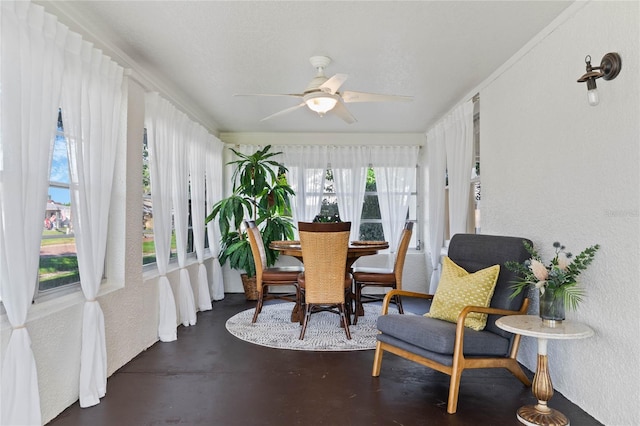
[556, 169]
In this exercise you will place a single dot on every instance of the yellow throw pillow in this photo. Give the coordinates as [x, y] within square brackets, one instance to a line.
[458, 288]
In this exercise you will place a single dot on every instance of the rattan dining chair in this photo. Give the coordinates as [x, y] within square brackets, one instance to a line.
[325, 282]
[380, 277]
[270, 277]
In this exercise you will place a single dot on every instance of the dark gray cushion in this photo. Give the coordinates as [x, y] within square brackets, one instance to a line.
[439, 336]
[442, 359]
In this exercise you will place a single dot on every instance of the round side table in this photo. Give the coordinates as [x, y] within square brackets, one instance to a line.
[532, 325]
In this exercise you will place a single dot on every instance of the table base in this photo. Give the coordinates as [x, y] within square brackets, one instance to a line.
[534, 415]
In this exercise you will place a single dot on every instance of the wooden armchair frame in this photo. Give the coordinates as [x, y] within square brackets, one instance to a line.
[460, 362]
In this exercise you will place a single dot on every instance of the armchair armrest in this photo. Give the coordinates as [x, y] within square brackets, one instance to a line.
[397, 292]
[493, 311]
[458, 350]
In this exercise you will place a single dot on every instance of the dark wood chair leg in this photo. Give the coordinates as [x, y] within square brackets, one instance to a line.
[258, 306]
[348, 297]
[307, 314]
[341, 308]
[359, 309]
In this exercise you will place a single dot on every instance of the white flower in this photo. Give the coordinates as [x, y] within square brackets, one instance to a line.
[540, 285]
[539, 270]
[563, 261]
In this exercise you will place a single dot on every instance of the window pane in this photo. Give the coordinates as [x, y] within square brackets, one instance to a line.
[371, 208]
[371, 219]
[58, 254]
[329, 206]
[148, 247]
[174, 248]
[371, 181]
[371, 232]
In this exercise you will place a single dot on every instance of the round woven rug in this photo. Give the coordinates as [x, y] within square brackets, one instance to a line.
[274, 329]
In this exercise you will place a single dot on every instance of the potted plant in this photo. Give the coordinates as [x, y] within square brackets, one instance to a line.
[260, 193]
[557, 282]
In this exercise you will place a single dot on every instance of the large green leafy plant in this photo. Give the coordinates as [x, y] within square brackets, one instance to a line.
[260, 193]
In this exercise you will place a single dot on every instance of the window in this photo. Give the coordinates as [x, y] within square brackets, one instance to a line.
[329, 206]
[473, 218]
[148, 245]
[58, 254]
[475, 174]
[371, 219]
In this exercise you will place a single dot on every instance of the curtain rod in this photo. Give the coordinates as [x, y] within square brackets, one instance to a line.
[475, 98]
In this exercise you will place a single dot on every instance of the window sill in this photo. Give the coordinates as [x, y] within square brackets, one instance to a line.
[51, 305]
[150, 271]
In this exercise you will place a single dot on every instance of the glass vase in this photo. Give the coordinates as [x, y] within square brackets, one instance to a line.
[551, 308]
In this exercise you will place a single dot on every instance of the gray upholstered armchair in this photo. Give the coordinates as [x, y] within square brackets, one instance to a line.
[451, 347]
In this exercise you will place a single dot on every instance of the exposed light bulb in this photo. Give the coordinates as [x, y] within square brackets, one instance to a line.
[593, 97]
[592, 92]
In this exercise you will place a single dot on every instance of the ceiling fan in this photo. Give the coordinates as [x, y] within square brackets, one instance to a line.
[322, 96]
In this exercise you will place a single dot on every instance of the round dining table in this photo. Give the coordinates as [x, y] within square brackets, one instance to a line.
[356, 249]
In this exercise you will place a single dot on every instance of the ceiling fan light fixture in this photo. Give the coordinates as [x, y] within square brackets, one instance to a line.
[321, 102]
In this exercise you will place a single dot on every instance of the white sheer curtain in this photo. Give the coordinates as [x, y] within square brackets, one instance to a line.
[307, 167]
[349, 165]
[160, 121]
[31, 61]
[395, 170]
[459, 146]
[92, 108]
[197, 157]
[213, 175]
[436, 161]
[183, 137]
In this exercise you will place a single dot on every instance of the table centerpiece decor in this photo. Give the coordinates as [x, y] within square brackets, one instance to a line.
[557, 281]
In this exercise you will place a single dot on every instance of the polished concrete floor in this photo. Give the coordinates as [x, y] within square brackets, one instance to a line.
[209, 377]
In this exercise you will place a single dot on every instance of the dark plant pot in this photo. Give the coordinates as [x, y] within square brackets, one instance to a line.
[551, 308]
[250, 287]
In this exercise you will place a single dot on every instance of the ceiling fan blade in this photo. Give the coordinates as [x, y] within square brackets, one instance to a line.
[297, 95]
[341, 111]
[284, 111]
[349, 96]
[334, 83]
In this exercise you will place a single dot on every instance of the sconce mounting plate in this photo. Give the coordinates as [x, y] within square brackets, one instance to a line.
[610, 65]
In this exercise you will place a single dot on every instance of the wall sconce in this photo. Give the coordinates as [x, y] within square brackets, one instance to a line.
[609, 69]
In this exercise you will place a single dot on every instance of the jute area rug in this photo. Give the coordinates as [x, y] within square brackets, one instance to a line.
[274, 329]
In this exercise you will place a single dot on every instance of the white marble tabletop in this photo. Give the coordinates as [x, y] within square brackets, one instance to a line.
[532, 325]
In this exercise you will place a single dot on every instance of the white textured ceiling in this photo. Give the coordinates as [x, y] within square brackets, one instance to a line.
[199, 53]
